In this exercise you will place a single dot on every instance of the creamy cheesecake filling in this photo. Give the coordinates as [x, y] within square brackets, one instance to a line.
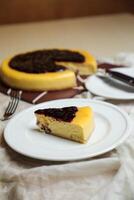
[43, 61]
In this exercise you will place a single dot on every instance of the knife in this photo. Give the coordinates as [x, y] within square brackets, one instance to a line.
[118, 76]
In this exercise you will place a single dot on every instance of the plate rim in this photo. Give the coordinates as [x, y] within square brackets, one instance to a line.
[102, 95]
[123, 113]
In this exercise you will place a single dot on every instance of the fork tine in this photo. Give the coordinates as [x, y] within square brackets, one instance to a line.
[18, 97]
[9, 108]
[12, 104]
[14, 98]
[16, 101]
[9, 105]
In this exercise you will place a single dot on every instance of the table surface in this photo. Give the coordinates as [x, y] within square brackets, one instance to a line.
[101, 35]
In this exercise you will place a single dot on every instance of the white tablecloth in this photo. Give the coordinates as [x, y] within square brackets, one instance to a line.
[109, 176]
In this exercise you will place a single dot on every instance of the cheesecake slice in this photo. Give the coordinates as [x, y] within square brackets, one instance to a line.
[47, 69]
[73, 123]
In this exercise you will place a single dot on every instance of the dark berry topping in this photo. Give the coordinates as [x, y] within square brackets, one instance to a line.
[64, 114]
[44, 60]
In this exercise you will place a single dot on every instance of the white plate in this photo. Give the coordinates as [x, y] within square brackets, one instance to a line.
[112, 128]
[111, 88]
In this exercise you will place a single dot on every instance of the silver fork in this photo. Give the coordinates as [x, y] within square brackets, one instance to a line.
[12, 105]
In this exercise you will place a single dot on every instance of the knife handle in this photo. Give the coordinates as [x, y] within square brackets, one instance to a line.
[121, 77]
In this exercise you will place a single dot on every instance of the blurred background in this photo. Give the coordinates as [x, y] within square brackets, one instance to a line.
[103, 27]
[15, 11]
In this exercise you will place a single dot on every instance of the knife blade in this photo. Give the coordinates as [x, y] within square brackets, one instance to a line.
[118, 76]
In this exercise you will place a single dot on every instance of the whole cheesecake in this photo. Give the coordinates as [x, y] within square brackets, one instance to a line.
[72, 123]
[48, 69]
